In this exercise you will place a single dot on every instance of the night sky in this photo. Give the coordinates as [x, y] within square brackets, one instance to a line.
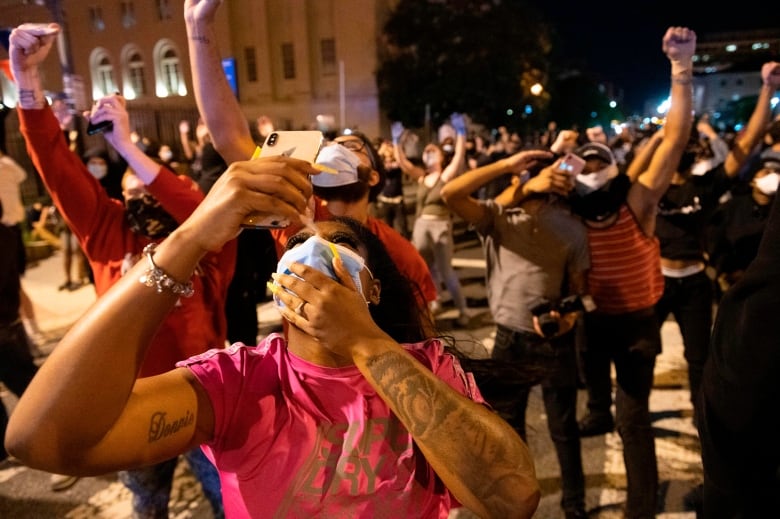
[622, 40]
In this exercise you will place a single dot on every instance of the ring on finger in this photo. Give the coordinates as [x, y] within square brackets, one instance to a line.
[299, 309]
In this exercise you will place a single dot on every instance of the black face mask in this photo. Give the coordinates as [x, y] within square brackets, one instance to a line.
[147, 217]
[599, 205]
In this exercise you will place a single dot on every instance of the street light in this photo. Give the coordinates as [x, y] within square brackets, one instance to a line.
[537, 89]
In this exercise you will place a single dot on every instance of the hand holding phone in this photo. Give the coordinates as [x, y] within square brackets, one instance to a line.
[103, 126]
[572, 164]
[304, 145]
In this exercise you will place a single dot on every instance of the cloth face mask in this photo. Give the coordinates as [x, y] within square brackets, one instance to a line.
[768, 183]
[318, 253]
[590, 182]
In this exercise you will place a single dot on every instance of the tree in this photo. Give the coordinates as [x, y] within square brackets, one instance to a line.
[470, 56]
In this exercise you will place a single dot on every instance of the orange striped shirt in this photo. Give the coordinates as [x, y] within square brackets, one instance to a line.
[625, 273]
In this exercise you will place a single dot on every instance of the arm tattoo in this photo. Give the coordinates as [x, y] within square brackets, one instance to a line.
[200, 39]
[160, 427]
[411, 392]
[438, 420]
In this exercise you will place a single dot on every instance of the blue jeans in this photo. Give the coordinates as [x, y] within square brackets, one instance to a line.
[632, 341]
[151, 486]
[690, 301]
[559, 391]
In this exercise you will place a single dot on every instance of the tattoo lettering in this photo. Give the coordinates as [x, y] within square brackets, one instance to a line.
[200, 39]
[160, 428]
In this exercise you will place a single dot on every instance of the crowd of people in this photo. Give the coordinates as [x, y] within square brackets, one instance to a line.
[359, 406]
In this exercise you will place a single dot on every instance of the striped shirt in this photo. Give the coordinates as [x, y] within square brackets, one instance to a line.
[625, 273]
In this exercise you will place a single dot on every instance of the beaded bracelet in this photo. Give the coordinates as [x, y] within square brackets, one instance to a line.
[157, 278]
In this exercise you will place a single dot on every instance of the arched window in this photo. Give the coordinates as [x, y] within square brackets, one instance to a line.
[134, 73]
[102, 70]
[169, 80]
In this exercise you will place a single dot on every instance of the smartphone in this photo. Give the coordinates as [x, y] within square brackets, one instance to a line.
[572, 163]
[104, 126]
[299, 144]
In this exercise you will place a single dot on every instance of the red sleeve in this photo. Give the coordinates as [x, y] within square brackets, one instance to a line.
[406, 258]
[178, 194]
[82, 201]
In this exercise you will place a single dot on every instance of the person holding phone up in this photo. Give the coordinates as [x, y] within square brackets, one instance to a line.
[347, 194]
[116, 235]
[342, 416]
[536, 250]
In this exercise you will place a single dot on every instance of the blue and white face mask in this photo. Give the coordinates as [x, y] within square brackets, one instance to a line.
[318, 253]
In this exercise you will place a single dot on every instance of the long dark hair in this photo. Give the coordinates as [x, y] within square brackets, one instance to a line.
[401, 316]
[398, 312]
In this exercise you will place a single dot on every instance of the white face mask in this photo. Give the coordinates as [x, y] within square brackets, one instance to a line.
[165, 156]
[97, 170]
[431, 159]
[768, 183]
[590, 182]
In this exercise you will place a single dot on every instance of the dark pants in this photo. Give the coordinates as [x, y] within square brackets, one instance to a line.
[690, 300]
[17, 368]
[632, 341]
[255, 261]
[394, 215]
[559, 391]
[151, 486]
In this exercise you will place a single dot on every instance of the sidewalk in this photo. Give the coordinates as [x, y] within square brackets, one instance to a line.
[55, 310]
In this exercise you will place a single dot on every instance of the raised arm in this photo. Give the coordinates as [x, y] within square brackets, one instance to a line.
[457, 192]
[217, 105]
[759, 119]
[458, 161]
[96, 363]
[407, 166]
[114, 108]
[642, 159]
[679, 44]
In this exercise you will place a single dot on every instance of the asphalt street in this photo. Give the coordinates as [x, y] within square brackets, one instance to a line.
[26, 493]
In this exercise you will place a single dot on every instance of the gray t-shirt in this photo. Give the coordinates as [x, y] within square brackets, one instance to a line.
[529, 257]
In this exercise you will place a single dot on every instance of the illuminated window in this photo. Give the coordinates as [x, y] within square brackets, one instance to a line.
[288, 61]
[731, 48]
[250, 57]
[169, 80]
[135, 83]
[104, 75]
[328, 52]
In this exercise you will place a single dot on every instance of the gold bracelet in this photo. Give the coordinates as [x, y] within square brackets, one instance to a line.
[157, 278]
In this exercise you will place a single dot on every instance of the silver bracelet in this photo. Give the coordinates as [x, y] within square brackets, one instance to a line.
[157, 278]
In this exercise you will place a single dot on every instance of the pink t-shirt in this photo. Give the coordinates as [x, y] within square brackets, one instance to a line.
[293, 439]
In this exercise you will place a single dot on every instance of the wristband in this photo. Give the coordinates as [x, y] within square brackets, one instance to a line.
[157, 278]
[682, 80]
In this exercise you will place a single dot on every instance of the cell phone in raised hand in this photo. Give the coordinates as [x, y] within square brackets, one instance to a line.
[572, 163]
[103, 126]
[299, 144]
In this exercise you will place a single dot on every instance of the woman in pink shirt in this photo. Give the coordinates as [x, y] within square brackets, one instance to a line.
[355, 414]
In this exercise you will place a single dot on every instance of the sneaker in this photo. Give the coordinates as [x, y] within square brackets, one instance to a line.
[60, 482]
[593, 425]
